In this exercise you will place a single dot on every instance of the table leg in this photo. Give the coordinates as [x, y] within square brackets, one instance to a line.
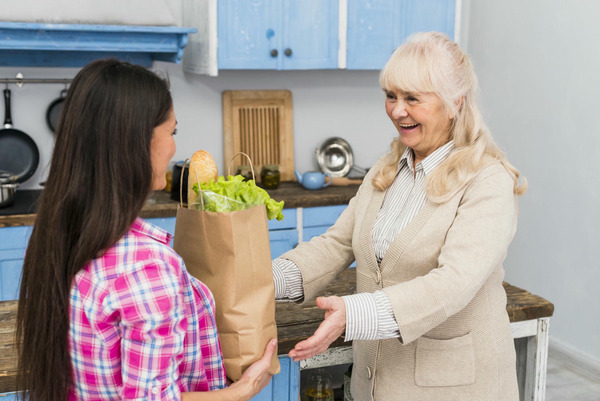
[537, 360]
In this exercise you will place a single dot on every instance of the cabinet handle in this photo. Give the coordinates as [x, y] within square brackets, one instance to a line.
[274, 53]
[287, 52]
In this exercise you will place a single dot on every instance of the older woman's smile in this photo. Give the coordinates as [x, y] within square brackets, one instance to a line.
[406, 128]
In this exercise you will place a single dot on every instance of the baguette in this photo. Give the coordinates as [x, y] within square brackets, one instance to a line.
[202, 170]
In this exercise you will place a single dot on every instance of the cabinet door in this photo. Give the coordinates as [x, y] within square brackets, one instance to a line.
[317, 220]
[311, 34]
[256, 34]
[248, 31]
[377, 27]
[282, 241]
[284, 386]
[13, 243]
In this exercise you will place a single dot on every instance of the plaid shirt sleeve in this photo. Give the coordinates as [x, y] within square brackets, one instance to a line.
[149, 300]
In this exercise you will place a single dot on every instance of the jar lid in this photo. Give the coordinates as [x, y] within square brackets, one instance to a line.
[271, 167]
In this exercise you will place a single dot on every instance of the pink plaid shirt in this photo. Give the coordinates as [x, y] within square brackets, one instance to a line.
[141, 326]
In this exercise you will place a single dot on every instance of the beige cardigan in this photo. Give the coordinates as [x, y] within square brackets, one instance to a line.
[443, 275]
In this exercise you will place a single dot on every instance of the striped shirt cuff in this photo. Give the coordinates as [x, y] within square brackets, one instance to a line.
[288, 280]
[369, 316]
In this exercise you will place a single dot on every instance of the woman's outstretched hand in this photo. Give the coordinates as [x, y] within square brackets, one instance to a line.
[256, 377]
[329, 330]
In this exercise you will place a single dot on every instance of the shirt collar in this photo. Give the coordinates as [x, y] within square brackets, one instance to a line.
[143, 227]
[430, 162]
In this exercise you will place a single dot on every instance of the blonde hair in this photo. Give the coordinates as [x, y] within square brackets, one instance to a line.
[429, 62]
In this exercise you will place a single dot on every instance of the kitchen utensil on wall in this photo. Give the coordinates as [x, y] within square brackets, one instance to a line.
[53, 111]
[8, 185]
[259, 123]
[335, 156]
[18, 152]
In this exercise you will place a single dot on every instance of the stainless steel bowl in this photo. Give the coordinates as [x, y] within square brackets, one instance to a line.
[335, 156]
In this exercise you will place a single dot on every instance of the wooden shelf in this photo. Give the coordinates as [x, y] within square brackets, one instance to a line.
[75, 45]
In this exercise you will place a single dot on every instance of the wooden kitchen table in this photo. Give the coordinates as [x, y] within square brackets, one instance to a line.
[529, 315]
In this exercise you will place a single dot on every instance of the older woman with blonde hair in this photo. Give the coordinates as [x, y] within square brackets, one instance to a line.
[429, 229]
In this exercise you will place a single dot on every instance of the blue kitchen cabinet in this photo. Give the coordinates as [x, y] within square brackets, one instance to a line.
[278, 34]
[283, 235]
[285, 386]
[316, 220]
[377, 27]
[13, 243]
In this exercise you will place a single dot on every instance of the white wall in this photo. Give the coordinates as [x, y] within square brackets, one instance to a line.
[539, 68]
[348, 104]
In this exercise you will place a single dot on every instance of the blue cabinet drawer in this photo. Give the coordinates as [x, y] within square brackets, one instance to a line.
[322, 215]
[15, 237]
[289, 220]
[282, 241]
[11, 267]
[13, 243]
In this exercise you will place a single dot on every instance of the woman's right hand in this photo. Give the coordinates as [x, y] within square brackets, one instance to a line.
[256, 377]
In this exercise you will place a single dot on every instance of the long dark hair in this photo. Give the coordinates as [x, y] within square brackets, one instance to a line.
[100, 176]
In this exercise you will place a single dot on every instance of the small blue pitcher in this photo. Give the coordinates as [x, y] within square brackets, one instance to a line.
[314, 179]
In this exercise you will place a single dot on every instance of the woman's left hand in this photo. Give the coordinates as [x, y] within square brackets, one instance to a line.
[329, 330]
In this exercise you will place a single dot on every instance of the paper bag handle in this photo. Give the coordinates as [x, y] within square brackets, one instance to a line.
[249, 160]
[181, 184]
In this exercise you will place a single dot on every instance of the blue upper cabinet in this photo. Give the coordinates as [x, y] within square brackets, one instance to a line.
[248, 31]
[377, 27]
[278, 34]
[310, 35]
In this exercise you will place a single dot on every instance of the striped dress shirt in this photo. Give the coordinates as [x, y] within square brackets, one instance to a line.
[369, 316]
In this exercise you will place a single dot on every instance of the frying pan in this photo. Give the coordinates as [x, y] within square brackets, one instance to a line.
[18, 152]
[54, 110]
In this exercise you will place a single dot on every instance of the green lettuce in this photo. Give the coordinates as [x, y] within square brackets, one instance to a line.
[236, 194]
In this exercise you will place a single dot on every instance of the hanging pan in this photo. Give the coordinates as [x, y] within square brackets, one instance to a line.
[53, 111]
[18, 152]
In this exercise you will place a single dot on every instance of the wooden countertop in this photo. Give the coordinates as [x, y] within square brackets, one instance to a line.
[294, 322]
[160, 203]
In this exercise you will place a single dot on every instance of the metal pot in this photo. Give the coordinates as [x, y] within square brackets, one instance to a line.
[8, 184]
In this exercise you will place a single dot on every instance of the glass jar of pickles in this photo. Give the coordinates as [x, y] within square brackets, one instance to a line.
[269, 176]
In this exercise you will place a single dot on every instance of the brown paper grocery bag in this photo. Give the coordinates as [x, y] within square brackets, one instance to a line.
[230, 253]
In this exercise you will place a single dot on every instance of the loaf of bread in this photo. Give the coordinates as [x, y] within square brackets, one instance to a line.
[202, 169]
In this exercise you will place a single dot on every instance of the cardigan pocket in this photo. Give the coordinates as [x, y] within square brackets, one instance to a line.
[445, 363]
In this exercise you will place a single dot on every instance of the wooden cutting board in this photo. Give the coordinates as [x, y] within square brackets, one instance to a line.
[260, 124]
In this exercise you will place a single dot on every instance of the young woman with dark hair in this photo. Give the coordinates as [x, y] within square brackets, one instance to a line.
[107, 310]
